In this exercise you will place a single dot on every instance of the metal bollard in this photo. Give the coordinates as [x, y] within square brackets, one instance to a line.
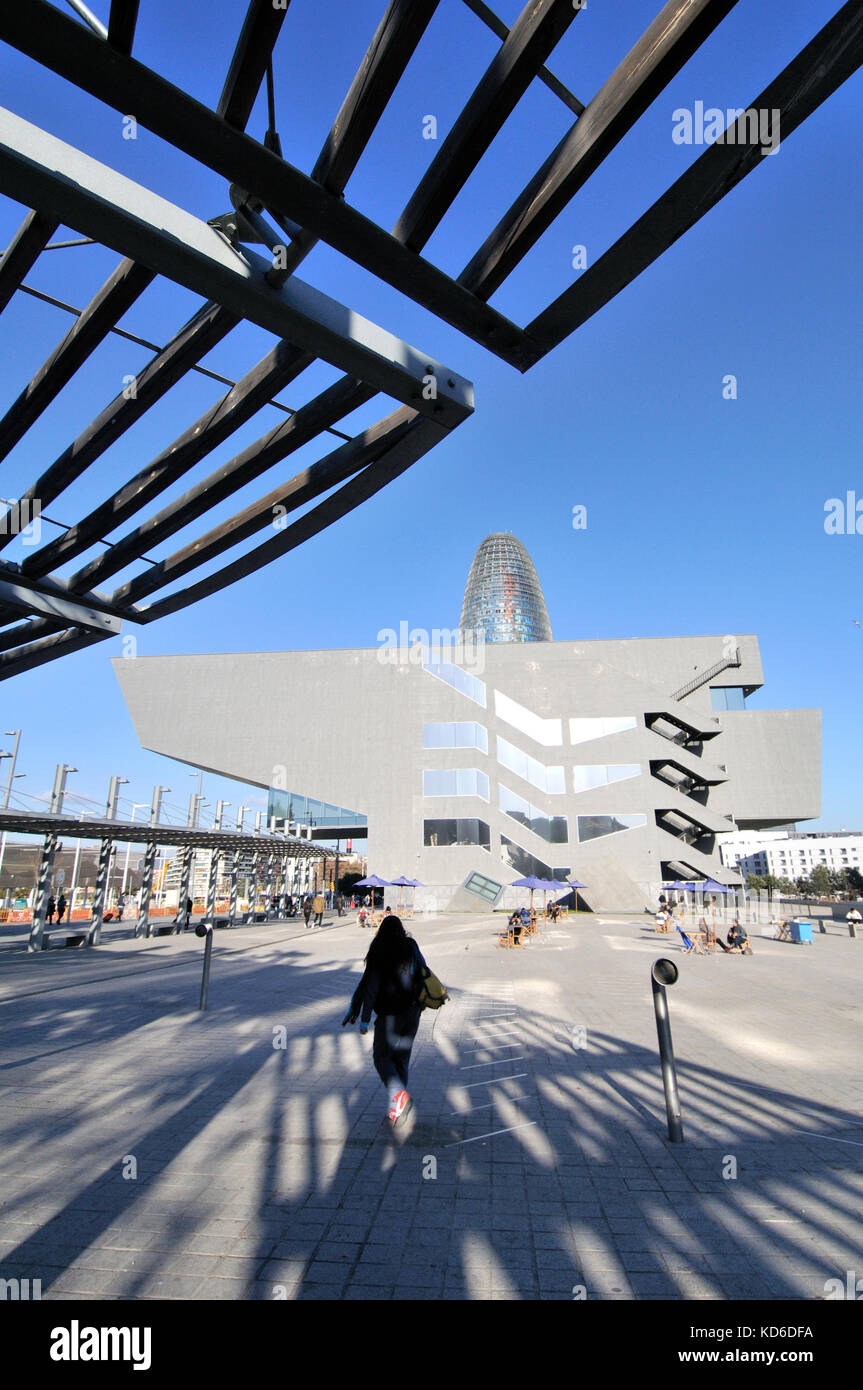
[202, 929]
[664, 972]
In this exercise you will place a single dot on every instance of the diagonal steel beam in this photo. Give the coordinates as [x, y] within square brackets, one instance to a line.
[47, 36]
[121, 24]
[114, 210]
[120, 291]
[669, 42]
[385, 60]
[408, 444]
[541, 24]
[823, 65]
[45, 649]
[22, 252]
[346, 395]
[387, 56]
[249, 63]
[197, 337]
[274, 372]
[334, 468]
[497, 26]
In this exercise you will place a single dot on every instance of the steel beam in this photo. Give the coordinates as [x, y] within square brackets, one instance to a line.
[197, 337]
[28, 601]
[249, 63]
[22, 252]
[121, 24]
[533, 36]
[47, 36]
[822, 66]
[669, 42]
[320, 477]
[113, 209]
[46, 649]
[119, 292]
[422, 435]
[339, 400]
[385, 60]
[497, 26]
[238, 405]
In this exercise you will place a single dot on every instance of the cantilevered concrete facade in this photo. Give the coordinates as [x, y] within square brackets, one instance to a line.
[605, 761]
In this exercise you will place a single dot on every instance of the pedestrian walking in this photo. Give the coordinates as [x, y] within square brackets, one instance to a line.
[389, 987]
[318, 909]
[121, 907]
[340, 905]
[50, 910]
[61, 907]
[307, 908]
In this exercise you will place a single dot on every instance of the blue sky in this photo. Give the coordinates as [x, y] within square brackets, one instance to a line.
[704, 515]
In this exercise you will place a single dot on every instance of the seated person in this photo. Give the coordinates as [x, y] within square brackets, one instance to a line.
[738, 938]
[554, 912]
[514, 920]
[525, 917]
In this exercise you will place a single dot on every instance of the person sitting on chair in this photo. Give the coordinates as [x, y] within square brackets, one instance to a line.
[515, 919]
[738, 939]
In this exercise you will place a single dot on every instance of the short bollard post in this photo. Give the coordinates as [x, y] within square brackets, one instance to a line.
[202, 929]
[664, 973]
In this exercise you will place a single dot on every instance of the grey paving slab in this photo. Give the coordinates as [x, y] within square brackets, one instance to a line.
[529, 1167]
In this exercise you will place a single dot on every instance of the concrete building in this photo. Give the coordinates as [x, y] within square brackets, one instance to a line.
[790, 854]
[619, 763]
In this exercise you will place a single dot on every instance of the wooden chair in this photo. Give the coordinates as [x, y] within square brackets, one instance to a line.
[690, 943]
[507, 937]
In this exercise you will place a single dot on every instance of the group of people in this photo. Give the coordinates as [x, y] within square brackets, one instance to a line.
[57, 906]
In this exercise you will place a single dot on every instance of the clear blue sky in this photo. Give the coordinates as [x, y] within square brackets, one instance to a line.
[704, 515]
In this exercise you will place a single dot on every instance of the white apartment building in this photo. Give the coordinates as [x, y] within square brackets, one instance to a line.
[791, 854]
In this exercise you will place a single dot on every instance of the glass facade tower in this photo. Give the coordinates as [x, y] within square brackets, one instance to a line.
[503, 598]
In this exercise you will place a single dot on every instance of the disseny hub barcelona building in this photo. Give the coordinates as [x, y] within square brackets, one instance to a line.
[473, 757]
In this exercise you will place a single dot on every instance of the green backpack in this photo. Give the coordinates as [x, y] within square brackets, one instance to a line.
[432, 994]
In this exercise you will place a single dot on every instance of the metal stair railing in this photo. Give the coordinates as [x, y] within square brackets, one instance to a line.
[704, 676]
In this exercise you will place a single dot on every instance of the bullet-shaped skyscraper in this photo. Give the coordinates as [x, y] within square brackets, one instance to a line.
[503, 597]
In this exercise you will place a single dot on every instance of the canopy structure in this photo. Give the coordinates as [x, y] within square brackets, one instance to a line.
[241, 265]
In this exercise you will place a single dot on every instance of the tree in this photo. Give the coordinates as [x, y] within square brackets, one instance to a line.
[786, 887]
[821, 881]
[854, 879]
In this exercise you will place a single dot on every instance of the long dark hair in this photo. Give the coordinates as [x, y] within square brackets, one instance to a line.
[390, 947]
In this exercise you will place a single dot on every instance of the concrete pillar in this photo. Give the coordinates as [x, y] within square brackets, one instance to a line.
[43, 889]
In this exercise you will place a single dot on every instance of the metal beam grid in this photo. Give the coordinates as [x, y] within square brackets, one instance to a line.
[134, 832]
[65, 187]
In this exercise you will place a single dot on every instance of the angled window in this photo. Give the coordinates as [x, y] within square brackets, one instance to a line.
[484, 887]
[458, 678]
[594, 827]
[455, 735]
[583, 730]
[553, 829]
[591, 775]
[550, 780]
[455, 781]
[727, 697]
[526, 863]
[548, 732]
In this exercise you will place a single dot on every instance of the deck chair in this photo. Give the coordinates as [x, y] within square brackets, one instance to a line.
[691, 943]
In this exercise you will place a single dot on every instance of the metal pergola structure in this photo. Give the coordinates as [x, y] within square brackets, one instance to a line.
[286, 212]
[234, 846]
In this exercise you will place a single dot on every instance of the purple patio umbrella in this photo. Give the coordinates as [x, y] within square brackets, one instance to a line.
[373, 881]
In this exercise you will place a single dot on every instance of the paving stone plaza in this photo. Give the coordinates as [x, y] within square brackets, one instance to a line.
[155, 1152]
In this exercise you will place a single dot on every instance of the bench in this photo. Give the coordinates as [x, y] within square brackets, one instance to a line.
[72, 937]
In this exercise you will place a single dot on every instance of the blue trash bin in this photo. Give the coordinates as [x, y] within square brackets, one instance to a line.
[801, 931]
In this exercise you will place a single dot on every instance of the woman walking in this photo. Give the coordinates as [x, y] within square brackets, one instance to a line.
[389, 987]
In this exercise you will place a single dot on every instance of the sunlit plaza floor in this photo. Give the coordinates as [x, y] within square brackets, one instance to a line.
[152, 1151]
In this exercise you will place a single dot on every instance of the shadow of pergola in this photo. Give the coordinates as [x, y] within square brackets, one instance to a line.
[264, 1165]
